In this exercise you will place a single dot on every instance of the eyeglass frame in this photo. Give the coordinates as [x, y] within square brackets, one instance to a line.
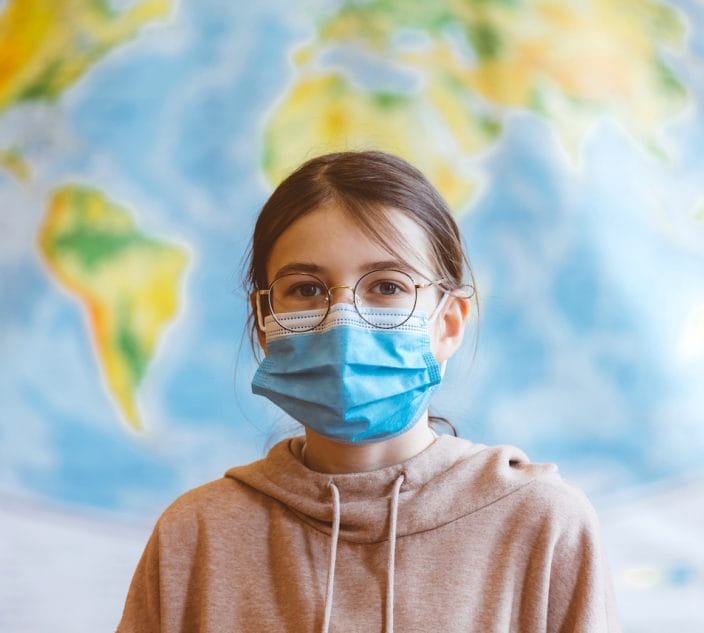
[267, 292]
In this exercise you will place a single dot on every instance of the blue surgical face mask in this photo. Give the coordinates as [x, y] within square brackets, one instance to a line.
[346, 379]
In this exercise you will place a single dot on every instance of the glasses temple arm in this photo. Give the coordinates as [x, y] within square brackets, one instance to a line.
[260, 317]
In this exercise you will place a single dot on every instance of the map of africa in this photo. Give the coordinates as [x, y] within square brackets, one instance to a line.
[138, 139]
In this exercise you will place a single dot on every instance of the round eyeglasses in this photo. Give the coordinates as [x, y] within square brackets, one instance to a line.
[392, 289]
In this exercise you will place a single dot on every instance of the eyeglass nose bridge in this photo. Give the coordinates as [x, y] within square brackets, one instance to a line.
[350, 288]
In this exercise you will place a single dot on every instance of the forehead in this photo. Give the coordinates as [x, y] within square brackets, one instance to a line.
[330, 239]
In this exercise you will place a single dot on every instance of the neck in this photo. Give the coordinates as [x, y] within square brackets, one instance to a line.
[327, 456]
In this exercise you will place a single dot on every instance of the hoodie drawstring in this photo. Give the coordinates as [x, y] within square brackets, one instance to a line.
[333, 554]
[390, 569]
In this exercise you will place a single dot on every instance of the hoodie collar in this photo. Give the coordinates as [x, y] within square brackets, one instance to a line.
[449, 479]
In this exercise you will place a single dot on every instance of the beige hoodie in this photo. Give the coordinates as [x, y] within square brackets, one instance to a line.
[460, 538]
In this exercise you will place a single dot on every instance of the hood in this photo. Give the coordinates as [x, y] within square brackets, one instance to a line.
[449, 479]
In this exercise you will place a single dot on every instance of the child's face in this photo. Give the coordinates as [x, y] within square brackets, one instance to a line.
[332, 247]
[328, 244]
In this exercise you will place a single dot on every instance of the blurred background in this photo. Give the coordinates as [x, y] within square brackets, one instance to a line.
[138, 140]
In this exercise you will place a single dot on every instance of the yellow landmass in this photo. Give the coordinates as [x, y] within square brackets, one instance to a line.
[575, 61]
[46, 45]
[128, 282]
[12, 161]
[571, 61]
[325, 113]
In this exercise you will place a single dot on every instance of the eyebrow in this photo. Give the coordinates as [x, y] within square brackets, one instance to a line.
[314, 269]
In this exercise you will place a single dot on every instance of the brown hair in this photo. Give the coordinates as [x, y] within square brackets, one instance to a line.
[364, 185]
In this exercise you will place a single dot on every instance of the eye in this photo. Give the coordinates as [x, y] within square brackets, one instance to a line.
[305, 290]
[385, 285]
[388, 288]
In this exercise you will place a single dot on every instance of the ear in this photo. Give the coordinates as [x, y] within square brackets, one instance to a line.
[448, 330]
[261, 338]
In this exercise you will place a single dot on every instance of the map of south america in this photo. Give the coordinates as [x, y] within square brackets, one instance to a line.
[127, 282]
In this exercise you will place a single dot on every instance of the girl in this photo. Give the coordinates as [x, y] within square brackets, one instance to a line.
[360, 293]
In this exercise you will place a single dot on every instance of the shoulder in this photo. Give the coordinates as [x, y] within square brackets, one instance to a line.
[565, 504]
[545, 526]
[546, 510]
[562, 511]
[503, 474]
[500, 483]
[217, 504]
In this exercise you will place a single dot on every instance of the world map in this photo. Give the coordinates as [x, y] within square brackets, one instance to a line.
[138, 139]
